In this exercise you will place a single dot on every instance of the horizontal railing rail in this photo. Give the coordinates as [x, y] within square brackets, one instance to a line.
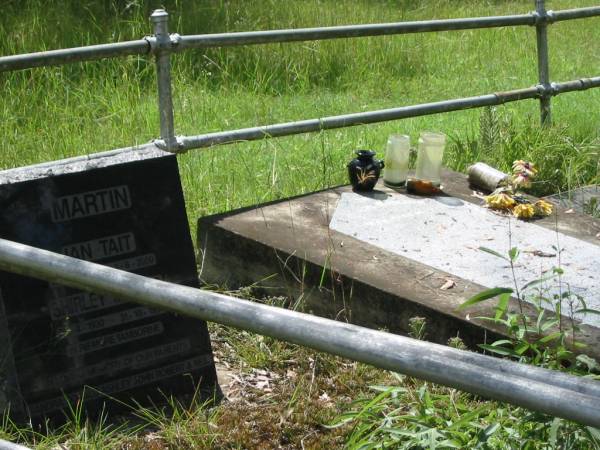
[326, 123]
[76, 54]
[575, 13]
[179, 43]
[537, 389]
[350, 31]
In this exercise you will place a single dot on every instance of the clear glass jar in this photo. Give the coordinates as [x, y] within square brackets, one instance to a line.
[396, 160]
[429, 157]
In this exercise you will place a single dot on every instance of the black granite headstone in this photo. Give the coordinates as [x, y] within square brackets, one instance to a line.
[125, 211]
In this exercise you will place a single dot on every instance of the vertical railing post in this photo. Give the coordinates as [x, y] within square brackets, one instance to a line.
[541, 30]
[162, 48]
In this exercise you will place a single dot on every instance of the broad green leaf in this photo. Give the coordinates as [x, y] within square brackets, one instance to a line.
[553, 433]
[493, 252]
[594, 433]
[550, 337]
[491, 429]
[589, 362]
[522, 347]
[499, 350]
[549, 324]
[485, 295]
[537, 281]
[587, 311]
[502, 304]
[513, 254]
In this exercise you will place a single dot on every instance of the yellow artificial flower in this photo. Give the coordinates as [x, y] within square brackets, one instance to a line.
[524, 211]
[543, 208]
[500, 201]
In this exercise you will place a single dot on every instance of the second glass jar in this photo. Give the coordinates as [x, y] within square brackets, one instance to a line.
[429, 157]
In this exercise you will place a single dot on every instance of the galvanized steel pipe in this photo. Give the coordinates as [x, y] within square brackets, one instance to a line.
[70, 55]
[161, 47]
[347, 120]
[349, 31]
[575, 85]
[541, 33]
[383, 115]
[571, 398]
[570, 14]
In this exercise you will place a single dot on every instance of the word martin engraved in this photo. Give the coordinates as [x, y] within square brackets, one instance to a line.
[86, 204]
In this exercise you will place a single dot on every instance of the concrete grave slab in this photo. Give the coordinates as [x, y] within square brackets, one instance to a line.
[446, 234]
[288, 248]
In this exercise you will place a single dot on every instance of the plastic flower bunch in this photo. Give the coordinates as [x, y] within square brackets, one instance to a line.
[523, 173]
[507, 198]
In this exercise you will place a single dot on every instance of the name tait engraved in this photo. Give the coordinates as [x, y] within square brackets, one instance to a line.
[104, 247]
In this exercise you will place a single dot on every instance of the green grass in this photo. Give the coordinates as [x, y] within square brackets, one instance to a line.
[51, 113]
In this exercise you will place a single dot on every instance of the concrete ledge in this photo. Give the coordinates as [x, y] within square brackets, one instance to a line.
[287, 248]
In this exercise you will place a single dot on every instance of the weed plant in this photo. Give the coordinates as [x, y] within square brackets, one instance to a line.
[429, 416]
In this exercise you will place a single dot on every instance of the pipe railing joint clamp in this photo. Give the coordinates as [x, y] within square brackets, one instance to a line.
[547, 90]
[175, 146]
[542, 17]
[161, 46]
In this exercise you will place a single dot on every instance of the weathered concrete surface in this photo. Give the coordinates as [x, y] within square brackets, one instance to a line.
[289, 248]
[446, 234]
[80, 163]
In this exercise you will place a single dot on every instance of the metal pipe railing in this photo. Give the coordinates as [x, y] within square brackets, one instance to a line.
[348, 120]
[541, 34]
[70, 55]
[349, 31]
[570, 14]
[178, 43]
[534, 388]
[383, 115]
[161, 45]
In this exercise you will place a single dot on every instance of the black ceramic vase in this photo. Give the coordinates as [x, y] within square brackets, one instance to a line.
[364, 170]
